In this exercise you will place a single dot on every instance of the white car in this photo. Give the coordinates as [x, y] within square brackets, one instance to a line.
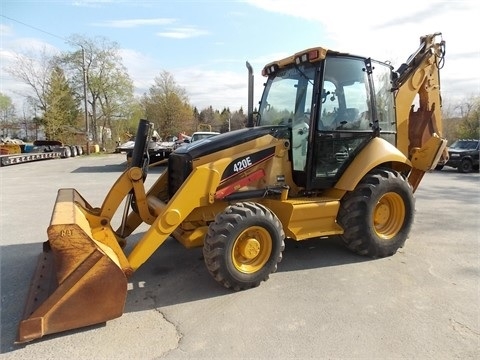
[199, 135]
[196, 136]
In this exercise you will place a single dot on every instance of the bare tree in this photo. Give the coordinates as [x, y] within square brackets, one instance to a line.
[33, 70]
[461, 120]
[469, 127]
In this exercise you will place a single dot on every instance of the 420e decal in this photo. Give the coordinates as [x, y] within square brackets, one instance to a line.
[245, 162]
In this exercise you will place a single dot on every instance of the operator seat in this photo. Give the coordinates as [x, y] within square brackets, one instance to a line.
[351, 114]
[346, 116]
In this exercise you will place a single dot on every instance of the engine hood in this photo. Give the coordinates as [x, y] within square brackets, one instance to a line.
[458, 151]
[230, 139]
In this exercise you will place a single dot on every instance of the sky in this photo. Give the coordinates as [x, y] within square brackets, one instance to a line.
[205, 44]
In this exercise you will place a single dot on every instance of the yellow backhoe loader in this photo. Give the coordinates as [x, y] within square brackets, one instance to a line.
[338, 146]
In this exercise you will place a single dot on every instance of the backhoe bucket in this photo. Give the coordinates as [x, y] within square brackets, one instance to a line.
[78, 281]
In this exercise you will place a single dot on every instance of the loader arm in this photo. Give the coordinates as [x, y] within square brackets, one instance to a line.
[199, 190]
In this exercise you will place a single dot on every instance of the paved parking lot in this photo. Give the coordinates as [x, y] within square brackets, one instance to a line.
[323, 302]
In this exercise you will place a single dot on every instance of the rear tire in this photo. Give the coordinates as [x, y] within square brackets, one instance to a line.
[465, 166]
[66, 152]
[243, 245]
[378, 214]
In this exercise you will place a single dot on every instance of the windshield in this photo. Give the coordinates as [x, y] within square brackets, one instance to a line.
[465, 144]
[288, 96]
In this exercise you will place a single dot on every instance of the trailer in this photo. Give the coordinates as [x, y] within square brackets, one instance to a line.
[13, 153]
[6, 160]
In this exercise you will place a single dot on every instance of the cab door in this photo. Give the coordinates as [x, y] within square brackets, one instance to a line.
[343, 124]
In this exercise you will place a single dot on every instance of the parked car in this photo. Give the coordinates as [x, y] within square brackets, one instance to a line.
[126, 146]
[464, 155]
[200, 135]
[157, 150]
[196, 136]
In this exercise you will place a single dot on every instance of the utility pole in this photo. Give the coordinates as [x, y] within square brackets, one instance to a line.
[87, 130]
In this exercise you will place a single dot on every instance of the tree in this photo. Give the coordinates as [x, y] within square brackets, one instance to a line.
[469, 126]
[210, 118]
[232, 121]
[61, 107]
[29, 123]
[225, 120]
[238, 120]
[33, 70]
[109, 87]
[124, 129]
[7, 114]
[462, 121]
[167, 106]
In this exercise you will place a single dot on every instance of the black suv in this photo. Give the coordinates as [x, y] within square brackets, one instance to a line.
[463, 155]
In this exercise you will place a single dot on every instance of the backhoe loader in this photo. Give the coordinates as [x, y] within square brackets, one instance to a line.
[337, 147]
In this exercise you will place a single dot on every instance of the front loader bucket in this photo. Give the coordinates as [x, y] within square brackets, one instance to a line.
[78, 281]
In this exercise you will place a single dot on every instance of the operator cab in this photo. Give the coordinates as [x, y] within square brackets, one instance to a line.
[334, 104]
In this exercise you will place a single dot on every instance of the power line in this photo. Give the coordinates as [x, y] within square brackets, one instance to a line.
[83, 67]
[33, 27]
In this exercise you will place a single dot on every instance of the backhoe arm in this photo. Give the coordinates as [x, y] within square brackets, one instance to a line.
[418, 85]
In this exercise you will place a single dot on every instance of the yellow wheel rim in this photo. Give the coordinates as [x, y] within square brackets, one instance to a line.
[252, 249]
[389, 215]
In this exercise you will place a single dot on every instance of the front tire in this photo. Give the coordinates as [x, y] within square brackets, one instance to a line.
[378, 214]
[243, 245]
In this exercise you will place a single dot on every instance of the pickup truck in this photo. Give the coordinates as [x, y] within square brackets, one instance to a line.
[464, 155]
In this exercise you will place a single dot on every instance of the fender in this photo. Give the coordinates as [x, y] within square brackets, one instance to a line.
[378, 151]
